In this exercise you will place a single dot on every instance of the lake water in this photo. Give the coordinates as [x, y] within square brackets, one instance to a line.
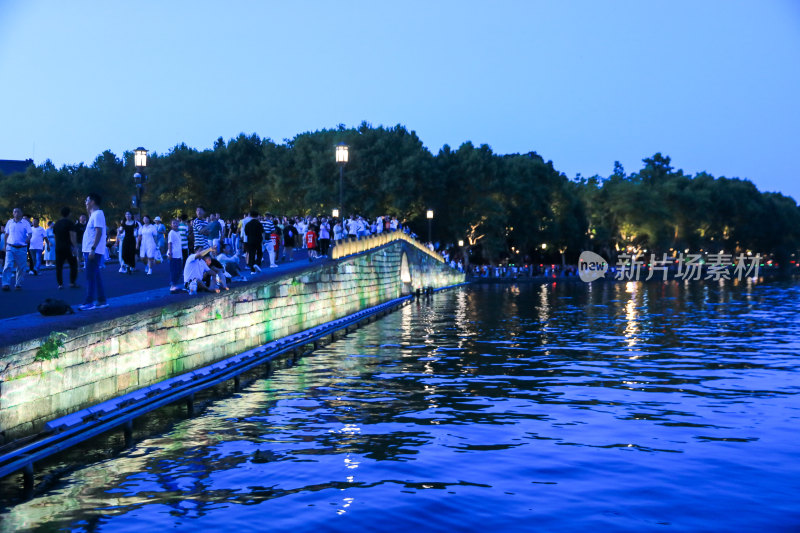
[560, 407]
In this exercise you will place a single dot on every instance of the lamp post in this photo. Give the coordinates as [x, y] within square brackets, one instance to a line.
[139, 177]
[430, 219]
[341, 159]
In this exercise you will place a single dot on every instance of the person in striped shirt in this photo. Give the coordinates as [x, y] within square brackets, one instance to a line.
[269, 228]
[199, 228]
[183, 229]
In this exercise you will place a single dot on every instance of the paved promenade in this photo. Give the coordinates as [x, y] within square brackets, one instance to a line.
[126, 294]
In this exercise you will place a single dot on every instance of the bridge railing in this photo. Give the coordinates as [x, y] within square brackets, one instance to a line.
[346, 247]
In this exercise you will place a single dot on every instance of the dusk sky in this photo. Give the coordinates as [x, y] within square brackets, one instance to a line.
[713, 84]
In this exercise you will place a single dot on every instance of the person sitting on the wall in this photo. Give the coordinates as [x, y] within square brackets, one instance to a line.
[231, 263]
[216, 271]
[196, 273]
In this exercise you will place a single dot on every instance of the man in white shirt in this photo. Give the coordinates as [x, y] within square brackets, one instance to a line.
[243, 235]
[196, 269]
[352, 227]
[363, 227]
[93, 247]
[17, 235]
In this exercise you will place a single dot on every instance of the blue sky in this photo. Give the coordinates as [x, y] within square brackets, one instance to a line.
[713, 84]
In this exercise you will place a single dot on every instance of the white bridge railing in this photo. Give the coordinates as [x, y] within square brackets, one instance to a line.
[345, 247]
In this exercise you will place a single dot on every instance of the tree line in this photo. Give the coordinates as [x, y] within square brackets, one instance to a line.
[516, 207]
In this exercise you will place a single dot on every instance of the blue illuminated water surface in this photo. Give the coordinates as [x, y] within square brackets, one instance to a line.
[560, 407]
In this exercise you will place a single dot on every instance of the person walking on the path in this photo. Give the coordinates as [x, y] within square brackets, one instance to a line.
[324, 237]
[289, 233]
[94, 247]
[352, 227]
[36, 247]
[270, 234]
[311, 243]
[175, 255]
[80, 227]
[50, 246]
[66, 241]
[183, 229]
[161, 236]
[147, 243]
[243, 241]
[214, 232]
[17, 238]
[130, 230]
[255, 235]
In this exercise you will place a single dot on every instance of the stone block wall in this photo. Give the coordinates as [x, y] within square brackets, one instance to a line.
[103, 360]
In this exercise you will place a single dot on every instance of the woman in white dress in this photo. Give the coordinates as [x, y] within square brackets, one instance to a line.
[146, 243]
[50, 245]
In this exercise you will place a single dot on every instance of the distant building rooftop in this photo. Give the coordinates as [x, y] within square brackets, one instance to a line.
[10, 166]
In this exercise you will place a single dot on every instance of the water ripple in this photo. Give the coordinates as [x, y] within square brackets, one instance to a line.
[572, 407]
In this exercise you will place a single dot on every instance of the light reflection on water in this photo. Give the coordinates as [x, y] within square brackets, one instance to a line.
[560, 406]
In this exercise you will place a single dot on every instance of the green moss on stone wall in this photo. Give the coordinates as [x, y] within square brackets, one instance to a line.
[52, 347]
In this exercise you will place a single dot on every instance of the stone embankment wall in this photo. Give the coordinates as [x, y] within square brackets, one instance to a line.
[107, 359]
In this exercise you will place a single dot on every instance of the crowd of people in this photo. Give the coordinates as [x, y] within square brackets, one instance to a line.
[205, 253]
[24, 244]
[522, 271]
[247, 243]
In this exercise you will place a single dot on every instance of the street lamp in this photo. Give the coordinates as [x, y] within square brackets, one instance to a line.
[430, 218]
[139, 177]
[341, 159]
[140, 157]
[460, 243]
[335, 213]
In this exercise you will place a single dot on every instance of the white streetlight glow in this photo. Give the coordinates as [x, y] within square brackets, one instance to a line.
[140, 157]
[430, 213]
[335, 213]
[341, 153]
[460, 243]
